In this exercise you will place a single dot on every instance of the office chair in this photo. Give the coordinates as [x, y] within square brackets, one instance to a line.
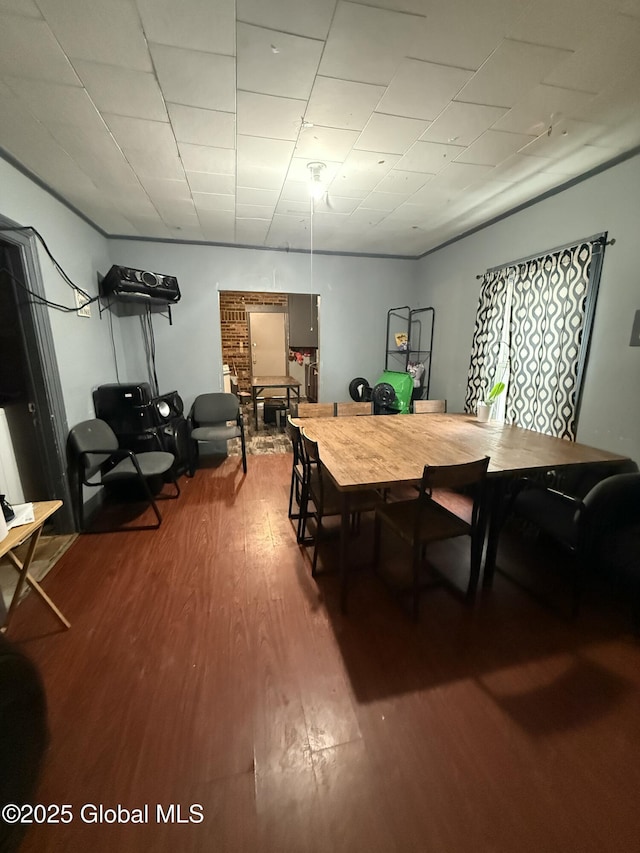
[209, 421]
[424, 520]
[590, 528]
[94, 451]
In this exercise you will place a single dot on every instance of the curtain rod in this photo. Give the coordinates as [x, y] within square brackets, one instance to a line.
[596, 238]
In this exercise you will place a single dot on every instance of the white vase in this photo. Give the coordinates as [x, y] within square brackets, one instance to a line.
[483, 411]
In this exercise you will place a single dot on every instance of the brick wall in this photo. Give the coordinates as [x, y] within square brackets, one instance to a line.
[234, 327]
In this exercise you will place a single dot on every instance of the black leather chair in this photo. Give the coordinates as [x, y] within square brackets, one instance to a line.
[98, 460]
[591, 527]
[215, 417]
[23, 735]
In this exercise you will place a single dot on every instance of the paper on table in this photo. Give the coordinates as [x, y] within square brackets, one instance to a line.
[24, 515]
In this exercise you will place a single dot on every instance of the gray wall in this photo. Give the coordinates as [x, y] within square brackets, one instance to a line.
[610, 201]
[355, 294]
[83, 347]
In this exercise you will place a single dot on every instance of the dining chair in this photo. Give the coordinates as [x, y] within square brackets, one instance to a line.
[425, 520]
[350, 409]
[429, 407]
[215, 417]
[326, 499]
[296, 489]
[316, 410]
[94, 452]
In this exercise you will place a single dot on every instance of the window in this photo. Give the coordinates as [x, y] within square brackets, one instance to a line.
[532, 333]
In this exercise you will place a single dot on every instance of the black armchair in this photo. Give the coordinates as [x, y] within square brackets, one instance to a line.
[591, 527]
[215, 417]
[95, 453]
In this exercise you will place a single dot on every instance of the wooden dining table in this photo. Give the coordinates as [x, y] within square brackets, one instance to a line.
[378, 452]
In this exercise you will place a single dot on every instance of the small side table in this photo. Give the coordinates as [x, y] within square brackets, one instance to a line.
[19, 535]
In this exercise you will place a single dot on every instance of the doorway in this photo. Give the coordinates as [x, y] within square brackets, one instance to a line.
[30, 391]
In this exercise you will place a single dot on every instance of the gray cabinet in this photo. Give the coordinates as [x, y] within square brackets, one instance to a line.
[303, 321]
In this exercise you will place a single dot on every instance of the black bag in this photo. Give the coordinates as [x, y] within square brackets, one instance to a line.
[7, 509]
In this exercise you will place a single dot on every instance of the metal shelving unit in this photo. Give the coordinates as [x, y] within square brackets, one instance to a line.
[409, 341]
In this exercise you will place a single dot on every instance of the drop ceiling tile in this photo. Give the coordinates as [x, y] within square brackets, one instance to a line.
[27, 47]
[287, 207]
[361, 172]
[196, 79]
[295, 191]
[289, 232]
[364, 216]
[149, 146]
[582, 160]
[261, 176]
[275, 63]
[422, 89]
[203, 127]
[95, 151]
[194, 24]
[218, 226]
[175, 211]
[566, 136]
[340, 204]
[157, 188]
[383, 201]
[458, 176]
[122, 91]
[493, 147]
[601, 59]
[325, 143]
[302, 17]
[464, 33]
[205, 158]
[27, 8]
[564, 25]
[214, 201]
[429, 157]
[519, 167]
[541, 107]
[52, 103]
[398, 181]
[267, 115]
[390, 133]
[253, 150]
[342, 103]
[368, 44]
[249, 195]
[252, 232]
[253, 211]
[462, 123]
[514, 67]
[207, 183]
[99, 32]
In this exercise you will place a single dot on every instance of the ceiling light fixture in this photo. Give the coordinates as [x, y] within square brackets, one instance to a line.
[317, 186]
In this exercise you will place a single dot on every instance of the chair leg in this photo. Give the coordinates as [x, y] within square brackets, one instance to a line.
[417, 554]
[476, 561]
[244, 451]
[80, 503]
[193, 458]
[316, 543]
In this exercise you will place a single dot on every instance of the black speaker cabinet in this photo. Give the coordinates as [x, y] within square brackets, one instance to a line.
[167, 407]
[126, 408]
[134, 285]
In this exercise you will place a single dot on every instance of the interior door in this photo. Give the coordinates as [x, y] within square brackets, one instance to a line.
[268, 341]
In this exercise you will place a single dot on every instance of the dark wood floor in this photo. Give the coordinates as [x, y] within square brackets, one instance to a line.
[204, 666]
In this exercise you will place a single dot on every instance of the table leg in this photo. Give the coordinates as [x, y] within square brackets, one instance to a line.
[495, 501]
[254, 392]
[24, 577]
[344, 535]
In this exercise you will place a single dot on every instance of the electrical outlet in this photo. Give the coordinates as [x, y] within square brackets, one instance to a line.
[83, 310]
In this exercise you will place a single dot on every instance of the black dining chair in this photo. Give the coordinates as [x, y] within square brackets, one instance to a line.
[424, 520]
[322, 499]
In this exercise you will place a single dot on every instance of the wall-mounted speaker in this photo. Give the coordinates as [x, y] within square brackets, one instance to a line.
[140, 285]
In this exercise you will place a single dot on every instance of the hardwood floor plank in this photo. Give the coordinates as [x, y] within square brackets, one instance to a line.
[205, 666]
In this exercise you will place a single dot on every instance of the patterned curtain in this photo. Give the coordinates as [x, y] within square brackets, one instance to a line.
[485, 348]
[547, 320]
